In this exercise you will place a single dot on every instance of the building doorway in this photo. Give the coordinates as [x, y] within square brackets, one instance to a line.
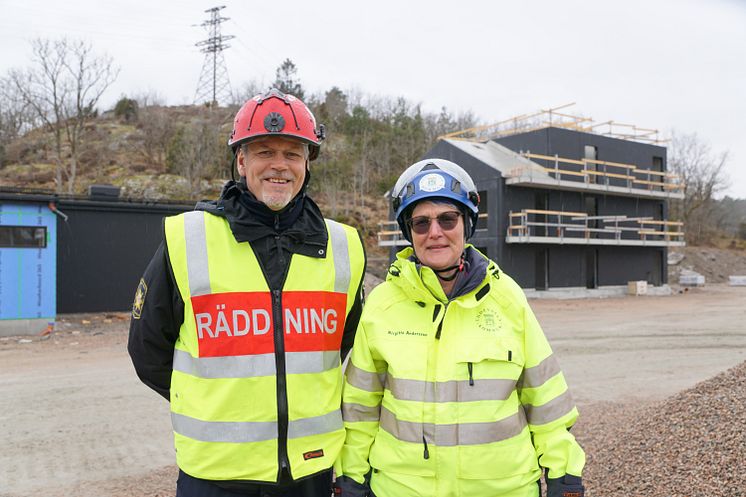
[542, 269]
[591, 267]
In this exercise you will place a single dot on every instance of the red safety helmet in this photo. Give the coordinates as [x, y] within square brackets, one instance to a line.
[275, 113]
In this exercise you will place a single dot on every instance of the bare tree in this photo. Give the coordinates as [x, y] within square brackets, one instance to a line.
[15, 118]
[158, 130]
[702, 173]
[62, 88]
[196, 152]
[246, 91]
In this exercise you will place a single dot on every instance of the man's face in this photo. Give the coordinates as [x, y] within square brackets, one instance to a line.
[275, 168]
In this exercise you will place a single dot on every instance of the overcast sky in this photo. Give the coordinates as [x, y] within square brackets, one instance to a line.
[669, 65]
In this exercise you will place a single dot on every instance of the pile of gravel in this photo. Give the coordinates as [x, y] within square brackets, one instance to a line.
[692, 444]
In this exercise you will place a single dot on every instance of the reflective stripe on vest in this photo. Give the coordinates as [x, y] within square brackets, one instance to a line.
[196, 254]
[341, 256]
[450, 435]
[354, 413]
[551, 411]
[245, 366]
[429, 391]
[249, 366]
[241, 432]
[539, 374]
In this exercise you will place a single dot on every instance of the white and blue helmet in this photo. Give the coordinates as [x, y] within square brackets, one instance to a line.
[435, 179]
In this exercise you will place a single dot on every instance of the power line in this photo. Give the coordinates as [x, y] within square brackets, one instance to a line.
[214, 84]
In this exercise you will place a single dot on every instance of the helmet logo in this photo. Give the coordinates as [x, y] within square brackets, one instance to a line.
[432, 183]
[274, 122]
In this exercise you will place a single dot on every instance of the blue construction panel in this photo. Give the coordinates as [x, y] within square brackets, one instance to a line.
[28, 275]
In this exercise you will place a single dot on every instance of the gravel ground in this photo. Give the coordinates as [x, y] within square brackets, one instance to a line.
[77, 422]
[690, 445]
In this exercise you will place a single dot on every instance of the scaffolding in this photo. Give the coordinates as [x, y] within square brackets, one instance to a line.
[598, 172]
[546, 226]
[547, 118]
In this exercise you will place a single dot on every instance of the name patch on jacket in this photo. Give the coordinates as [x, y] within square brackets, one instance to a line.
[242, 323]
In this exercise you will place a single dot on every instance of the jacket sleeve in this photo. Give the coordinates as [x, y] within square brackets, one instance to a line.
[353, 318]
[157, 315]
[550, 410]
[361, 408]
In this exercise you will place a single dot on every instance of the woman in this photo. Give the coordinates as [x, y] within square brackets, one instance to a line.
[452, 388]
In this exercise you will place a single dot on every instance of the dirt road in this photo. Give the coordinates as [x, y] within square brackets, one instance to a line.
[76, 420]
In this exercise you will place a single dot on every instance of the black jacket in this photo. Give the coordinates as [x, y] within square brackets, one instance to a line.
[273, 236]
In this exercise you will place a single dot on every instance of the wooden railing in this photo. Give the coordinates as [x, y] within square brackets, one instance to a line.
[563, 224]
[628, 175]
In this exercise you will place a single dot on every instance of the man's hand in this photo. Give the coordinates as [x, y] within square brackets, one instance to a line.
[565, 486]
[345, 486]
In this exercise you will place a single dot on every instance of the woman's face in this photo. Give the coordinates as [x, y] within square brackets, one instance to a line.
[437, 248]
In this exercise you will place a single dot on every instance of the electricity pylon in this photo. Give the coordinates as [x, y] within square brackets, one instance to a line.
[214, 84]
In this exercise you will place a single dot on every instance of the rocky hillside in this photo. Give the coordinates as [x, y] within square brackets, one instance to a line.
[715, 264]
[144, 157]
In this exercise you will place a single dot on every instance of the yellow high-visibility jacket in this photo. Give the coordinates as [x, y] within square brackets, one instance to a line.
[250, 364]
[454, 398]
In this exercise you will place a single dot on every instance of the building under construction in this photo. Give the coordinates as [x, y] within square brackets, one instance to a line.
[566, 202]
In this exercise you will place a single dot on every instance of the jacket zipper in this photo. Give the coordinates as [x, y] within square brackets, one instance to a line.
[440, 323]
[282, 396]
[426, 452]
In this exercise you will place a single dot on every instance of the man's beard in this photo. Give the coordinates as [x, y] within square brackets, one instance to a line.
[277, 201]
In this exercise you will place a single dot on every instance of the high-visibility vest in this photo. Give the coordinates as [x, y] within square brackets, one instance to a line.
[225, 387]
[460, 397]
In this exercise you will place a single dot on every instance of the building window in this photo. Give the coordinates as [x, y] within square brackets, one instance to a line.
[590, 153]
[23, 236]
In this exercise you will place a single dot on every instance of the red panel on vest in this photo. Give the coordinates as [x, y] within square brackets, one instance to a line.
[241, 323]
[238, 323]
[313, 321]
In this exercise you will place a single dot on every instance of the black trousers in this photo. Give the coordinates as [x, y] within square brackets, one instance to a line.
[319, 485]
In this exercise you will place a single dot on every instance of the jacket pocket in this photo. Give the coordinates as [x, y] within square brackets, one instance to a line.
[493, 359]
[496, 349]
[392, 455]
[498, 460]
[494, 440]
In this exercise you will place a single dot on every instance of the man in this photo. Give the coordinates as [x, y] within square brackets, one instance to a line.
[241, 315]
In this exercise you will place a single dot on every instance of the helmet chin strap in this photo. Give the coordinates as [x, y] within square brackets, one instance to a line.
[460, 267]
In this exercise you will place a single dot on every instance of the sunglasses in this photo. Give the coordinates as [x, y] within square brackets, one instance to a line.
[446, 220]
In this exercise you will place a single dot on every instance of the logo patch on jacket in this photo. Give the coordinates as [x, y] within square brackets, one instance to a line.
[243, 323]
[488, 320]
[313, 454]
[142, 290]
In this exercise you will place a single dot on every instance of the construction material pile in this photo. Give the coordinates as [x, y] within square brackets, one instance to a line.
[692, 444]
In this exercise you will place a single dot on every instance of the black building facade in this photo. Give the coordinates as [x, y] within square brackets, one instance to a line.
[562, 208]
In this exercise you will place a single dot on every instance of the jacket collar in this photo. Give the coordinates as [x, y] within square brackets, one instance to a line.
[421, 283]
[300, 224]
